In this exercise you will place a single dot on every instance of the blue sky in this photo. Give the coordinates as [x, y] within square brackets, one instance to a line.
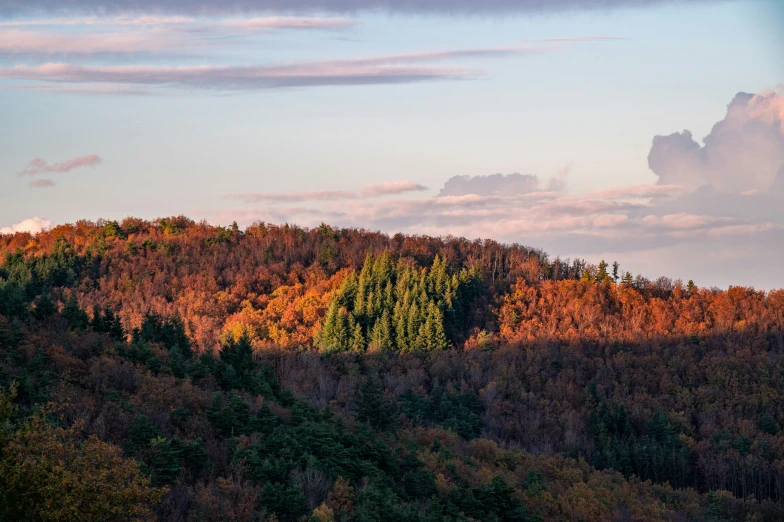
[574, 97]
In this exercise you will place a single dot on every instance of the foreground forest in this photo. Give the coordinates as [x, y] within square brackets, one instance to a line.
[172, 370]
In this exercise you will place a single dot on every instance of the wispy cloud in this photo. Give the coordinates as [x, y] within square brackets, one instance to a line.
[192, 7]
[293, 197]
[248, 23]
[385, 69]
[391, 188]
[24, 42]
[367, 192]
[41, 183]
[79, 88]
[150, 34]
[285, 22]
[38, 166]
[216, 77]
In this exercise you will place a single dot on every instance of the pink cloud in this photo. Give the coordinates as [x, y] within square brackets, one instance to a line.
[266, 22]
[118, 21]
[369, 191]
[293, 197]
[385, 69]
[41, 183]
[286, 22]
[38, 166]
[636, 191]
[15, 41]
[237, 77]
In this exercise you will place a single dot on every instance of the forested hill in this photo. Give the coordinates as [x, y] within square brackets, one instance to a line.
[280, 373]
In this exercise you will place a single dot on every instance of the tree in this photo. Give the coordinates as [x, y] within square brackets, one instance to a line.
[52, 474]
[76, 317]
[372, 406]
[602, 274]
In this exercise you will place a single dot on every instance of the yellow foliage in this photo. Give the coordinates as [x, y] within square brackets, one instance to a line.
[323, 514]
[49, 474]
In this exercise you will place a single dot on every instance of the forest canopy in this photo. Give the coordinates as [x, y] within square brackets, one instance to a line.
[282, 373]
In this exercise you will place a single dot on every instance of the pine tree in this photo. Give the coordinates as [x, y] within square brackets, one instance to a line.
[334, 335]
[381, 335]
[372, 406]
[434, 336]
[44, 308]
[76, 317]
[602, 275]
[357, 342]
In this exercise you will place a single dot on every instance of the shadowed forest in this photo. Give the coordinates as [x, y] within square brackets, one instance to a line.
[176, 371]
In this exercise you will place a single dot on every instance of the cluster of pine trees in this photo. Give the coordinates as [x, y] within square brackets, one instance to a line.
[399, 307]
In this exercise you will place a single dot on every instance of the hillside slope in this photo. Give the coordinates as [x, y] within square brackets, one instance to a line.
[340, 374]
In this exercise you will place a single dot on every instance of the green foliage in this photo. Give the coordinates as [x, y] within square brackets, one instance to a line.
[372, 406]
[655, 453]
[449, 409]
[113, 229]
[222, 235]
[7, 410]
[168, 332]
[768, 424]
[52, 474]
[76, 317]
[398, 307]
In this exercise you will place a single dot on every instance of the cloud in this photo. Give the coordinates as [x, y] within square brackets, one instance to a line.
[502, 184]
[78, 88]
[254, 23]
[384, 69]
[32, 225]
[118, 21]
[216, 77]
[16, 41]
[38, 166]
[730, 215]
[367, 192]
[286, 22]
[148, 34]
[391, 188]
[293, 197]
[41, 183]
[743, 152]
[489, 185]
[191, 7]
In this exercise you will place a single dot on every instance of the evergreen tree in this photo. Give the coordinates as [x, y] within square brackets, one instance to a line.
[76, 317]
[381, 335]
[397, 306]
[602, 274]
[372, 406]
[44, 308]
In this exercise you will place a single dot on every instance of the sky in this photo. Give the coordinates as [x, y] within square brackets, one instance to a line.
[650, 132]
